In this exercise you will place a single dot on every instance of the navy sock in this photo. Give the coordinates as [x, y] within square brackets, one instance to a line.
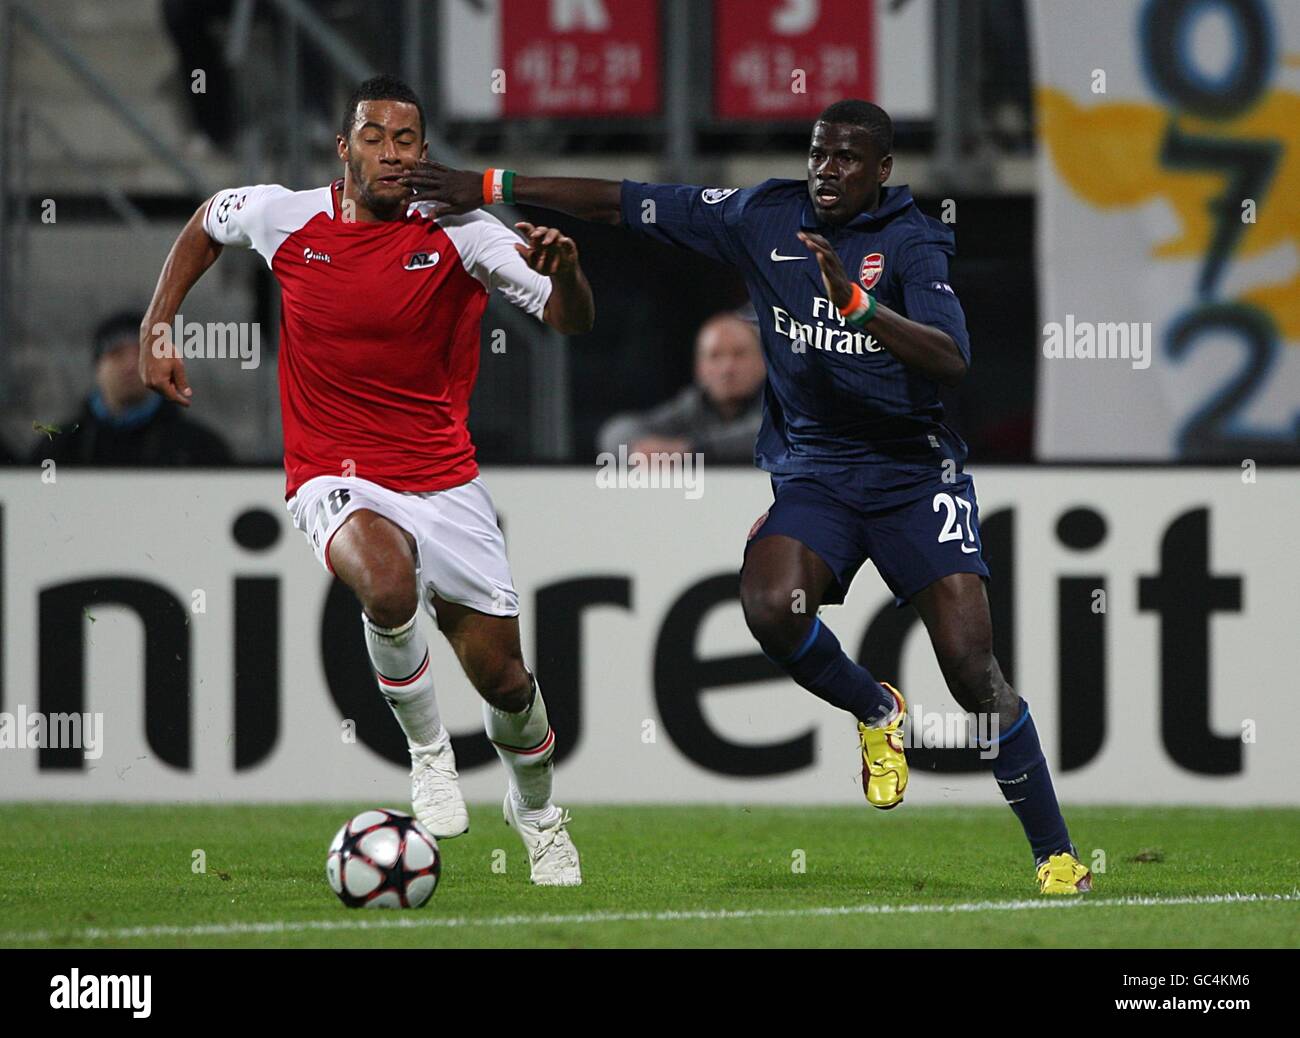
[823, 668]
[1021, 771]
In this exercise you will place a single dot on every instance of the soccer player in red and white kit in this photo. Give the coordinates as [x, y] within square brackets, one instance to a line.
[379, 350]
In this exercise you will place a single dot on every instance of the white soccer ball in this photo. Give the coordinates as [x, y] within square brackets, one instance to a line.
[383, 859]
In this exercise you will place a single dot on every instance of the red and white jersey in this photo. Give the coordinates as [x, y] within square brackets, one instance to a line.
[379, 333]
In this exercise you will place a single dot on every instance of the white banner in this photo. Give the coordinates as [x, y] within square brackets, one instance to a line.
[1168, 235]
[1148, 616]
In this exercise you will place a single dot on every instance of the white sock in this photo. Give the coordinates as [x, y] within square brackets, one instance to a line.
[525, 744]
[400, 656]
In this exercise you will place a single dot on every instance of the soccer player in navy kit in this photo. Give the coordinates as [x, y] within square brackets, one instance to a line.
[860, 328]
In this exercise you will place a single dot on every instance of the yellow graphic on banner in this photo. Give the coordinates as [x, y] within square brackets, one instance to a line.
[1110, 156]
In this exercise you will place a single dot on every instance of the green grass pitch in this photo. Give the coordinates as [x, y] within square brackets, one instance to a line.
[114, 875]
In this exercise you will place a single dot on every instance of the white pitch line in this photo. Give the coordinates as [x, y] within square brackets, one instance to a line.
[412, 922]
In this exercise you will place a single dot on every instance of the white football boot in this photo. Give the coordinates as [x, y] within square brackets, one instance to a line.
[552, 858]
[435, 791]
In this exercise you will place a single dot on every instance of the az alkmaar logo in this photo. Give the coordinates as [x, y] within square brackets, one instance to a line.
[419, 260]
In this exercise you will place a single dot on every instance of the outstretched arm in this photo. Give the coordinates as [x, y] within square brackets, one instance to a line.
[161, 369]
[458, 191]
[931, 351]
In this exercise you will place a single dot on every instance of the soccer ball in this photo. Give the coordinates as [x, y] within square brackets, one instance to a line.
[383, 859]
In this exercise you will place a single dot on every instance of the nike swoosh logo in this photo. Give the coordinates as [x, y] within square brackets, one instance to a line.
[777, 258]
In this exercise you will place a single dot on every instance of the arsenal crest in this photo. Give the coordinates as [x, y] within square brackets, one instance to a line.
[873, 266]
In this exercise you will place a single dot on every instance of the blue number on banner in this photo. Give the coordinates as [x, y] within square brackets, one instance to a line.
[1216, 429]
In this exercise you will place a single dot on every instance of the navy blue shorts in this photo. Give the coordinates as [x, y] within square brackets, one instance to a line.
[929, 534]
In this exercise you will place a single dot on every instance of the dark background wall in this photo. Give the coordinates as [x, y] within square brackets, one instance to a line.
[651, 298]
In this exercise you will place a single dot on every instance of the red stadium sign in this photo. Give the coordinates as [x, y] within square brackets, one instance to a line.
[580, 57]
[789, 59]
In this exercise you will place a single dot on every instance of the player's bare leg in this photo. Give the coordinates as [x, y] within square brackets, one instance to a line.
[955, 610]
[376, 559]
[514, 715]
[781, 588]
[782, 585]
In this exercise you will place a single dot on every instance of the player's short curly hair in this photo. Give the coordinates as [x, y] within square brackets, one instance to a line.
[872, 118]
[380, 88]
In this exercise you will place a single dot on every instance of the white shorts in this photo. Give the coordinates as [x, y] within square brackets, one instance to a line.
[460, 551]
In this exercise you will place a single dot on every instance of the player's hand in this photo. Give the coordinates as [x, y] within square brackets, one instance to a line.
[161, 368]
[451, 191]
[839, 289]
[547, 251]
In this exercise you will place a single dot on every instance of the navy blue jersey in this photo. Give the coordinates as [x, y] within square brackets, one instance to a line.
[835, 397]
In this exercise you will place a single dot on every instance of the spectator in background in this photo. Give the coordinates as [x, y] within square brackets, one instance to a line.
[122, 422]
[718, 415]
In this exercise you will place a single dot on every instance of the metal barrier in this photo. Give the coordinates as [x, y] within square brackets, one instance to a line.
[13, 15]
[548, 431]
[549, 427]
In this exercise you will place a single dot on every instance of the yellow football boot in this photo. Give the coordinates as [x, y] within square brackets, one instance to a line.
[884, 768]
[1064, 874]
